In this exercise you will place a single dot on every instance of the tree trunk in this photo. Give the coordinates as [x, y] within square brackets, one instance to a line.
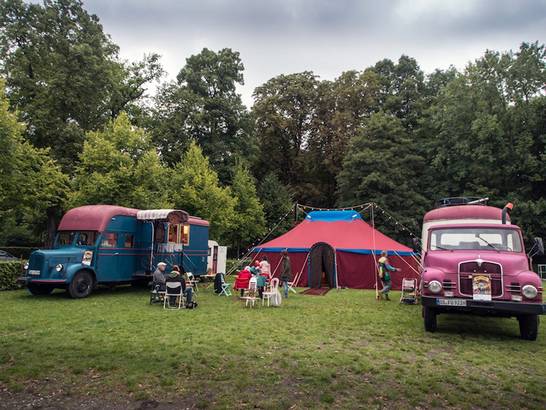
[52, 219]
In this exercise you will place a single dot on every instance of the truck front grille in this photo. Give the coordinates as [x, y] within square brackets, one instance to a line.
[36, 261]
[468, 269]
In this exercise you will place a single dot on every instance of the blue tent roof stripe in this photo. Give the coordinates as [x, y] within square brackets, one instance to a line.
[332, 216]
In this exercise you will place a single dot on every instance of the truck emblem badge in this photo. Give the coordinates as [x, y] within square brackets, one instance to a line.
[479, 261]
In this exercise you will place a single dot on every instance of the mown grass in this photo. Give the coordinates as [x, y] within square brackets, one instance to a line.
[343, 350]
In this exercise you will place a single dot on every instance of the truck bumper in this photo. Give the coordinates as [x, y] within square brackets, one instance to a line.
[25, 280]
[493, 308]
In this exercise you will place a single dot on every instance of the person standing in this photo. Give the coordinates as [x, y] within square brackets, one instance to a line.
[265, 267]
[286, 273]
[385, 268]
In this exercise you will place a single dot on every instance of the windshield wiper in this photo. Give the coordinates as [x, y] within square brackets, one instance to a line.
[441, 248]
[488, 243]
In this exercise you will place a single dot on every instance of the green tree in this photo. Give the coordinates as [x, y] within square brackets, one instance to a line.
[119, 165]
[249, 211]
[63, 73]
[489, 133]
[203, 105]
[277, 202]
[195, 187]
[284, 110]
[31, 182]
[379, 167]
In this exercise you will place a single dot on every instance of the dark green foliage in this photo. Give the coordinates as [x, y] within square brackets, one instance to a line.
[63, 73]
[277, 201]
[381, 166]
[9, 272]
[387, 133]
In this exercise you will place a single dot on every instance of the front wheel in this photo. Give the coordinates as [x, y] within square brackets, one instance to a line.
[37, 290]
[429, 317]
[528, 327]
[81, 285]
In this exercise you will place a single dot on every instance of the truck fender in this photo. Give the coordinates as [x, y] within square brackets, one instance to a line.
[75, 268]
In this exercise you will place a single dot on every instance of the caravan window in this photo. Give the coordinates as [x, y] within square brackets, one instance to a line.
[173, 233]
[159, 232]
[185, 234]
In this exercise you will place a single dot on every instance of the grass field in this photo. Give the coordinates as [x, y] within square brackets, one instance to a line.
[342, 350]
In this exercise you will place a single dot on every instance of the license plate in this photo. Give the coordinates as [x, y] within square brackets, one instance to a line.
[451, 302]
[34, 272]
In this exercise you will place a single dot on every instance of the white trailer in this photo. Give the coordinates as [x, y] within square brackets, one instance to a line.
[216, 260]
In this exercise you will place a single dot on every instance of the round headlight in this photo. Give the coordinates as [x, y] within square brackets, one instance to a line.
[434, 286]
[59, 267]
[25, 266]
[529, 291]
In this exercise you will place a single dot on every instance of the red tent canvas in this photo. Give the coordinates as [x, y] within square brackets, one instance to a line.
[337, 249]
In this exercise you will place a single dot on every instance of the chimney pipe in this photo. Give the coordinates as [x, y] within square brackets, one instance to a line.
[507, 207]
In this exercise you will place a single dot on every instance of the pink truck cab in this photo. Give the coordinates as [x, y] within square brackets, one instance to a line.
[474, 261]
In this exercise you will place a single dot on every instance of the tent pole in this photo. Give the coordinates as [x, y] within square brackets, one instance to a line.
[373, 253]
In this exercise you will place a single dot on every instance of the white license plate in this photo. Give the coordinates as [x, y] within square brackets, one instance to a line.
[34, 272]
[451, 302]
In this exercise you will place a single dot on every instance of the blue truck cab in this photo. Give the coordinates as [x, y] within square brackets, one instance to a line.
[112, 245]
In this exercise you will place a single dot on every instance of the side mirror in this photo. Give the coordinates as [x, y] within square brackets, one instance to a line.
[539, 245]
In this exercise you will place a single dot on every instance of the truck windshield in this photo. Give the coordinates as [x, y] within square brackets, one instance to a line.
[475, 239]
[81, 238]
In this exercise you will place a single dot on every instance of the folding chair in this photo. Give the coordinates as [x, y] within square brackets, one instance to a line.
[156, 295]
[192, 281]
[250, 297]
[409, 291]
[173, 289]
[226, 291]
[273, 289]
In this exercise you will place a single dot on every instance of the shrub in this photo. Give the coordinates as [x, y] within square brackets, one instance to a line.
[9, 272]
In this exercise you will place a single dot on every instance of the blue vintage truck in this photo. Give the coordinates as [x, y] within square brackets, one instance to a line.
[111, 245]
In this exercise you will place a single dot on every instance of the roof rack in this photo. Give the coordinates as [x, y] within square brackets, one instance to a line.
[460, 200]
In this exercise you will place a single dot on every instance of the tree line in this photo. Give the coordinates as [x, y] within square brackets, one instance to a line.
[77, 127]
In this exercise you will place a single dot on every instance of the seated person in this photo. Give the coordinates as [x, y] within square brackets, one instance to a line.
[243, 277]
[158, 277]
[176, 276]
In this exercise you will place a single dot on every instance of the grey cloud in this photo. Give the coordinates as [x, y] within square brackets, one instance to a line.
[326, 36]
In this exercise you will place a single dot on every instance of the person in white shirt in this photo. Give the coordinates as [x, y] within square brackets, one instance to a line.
[265, 268]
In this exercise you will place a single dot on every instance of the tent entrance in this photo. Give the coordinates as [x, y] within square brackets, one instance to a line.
[322, 270]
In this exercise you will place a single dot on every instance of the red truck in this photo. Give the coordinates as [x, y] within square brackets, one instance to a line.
[474, 261]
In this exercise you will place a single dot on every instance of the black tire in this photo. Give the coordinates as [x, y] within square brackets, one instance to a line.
[429, 317]
[82, 285]
[38, 290]
[528, 327]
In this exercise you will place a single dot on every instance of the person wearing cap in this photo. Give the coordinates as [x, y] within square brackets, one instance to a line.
[158, 276]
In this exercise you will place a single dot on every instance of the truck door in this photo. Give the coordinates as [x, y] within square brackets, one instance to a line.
[126, 258]
[106, 266]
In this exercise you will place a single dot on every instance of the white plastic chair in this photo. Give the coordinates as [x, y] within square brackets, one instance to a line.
[173, 289]
[250, 297]
[273, 289]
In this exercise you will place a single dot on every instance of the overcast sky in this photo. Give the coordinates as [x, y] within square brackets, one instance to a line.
[324, 36]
